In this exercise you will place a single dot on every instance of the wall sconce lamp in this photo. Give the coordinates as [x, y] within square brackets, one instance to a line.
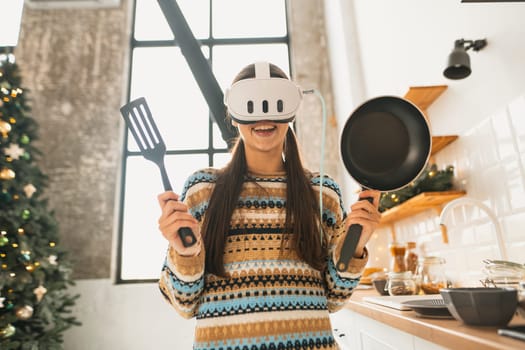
[458, 66]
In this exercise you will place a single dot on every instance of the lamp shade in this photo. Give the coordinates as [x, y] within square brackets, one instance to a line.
[458, 65]
[10, 18]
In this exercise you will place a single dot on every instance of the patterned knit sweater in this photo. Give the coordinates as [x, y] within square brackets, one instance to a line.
[271, 299]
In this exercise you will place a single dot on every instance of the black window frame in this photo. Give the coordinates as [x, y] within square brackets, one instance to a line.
[209, 42]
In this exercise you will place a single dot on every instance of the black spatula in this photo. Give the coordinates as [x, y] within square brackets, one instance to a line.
[147, 136]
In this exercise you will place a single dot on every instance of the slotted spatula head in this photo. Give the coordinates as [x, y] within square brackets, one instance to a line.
[144, 130]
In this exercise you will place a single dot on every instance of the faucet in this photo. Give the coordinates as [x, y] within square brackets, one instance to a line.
[476, 203]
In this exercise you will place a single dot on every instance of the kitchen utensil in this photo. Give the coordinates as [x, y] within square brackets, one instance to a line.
[502, 273]
[430, 308]
[147, 136]
[385, 145]
[481, 306]
[517, 332]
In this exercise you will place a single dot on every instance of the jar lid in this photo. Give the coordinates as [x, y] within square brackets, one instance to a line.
[400, 275]
[432, 260]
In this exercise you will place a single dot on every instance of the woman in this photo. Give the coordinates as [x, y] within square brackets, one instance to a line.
[262, 274]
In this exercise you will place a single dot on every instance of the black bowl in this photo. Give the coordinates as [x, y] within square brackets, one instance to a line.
[481, 306]
[380, 285]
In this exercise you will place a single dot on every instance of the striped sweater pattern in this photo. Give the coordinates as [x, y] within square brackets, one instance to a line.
[270, 299]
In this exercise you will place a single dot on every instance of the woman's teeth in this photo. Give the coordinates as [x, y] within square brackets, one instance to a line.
[264, 128]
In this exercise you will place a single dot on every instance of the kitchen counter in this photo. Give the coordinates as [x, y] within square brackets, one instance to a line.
[448, 333]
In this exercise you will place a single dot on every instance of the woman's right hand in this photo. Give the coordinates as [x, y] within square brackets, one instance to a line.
[175, 215]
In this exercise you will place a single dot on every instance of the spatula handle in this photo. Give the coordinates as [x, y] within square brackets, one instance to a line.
[185, 233]
[352, 238]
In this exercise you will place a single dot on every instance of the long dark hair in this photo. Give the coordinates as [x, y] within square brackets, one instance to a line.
[302, 207]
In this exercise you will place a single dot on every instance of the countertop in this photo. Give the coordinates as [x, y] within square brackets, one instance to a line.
[445, 332]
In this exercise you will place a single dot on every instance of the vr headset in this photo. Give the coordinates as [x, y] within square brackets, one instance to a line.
[263, 98]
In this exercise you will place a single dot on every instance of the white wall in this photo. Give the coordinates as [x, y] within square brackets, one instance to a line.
[405, 43]
[126, 317]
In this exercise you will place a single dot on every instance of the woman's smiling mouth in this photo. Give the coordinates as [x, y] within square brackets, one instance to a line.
[264, 129]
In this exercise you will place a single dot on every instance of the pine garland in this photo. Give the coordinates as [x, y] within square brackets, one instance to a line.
[431, 180]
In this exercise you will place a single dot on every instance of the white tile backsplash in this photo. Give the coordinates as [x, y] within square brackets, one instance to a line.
[488, 163]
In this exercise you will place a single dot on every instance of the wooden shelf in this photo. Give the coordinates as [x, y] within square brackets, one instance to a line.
[440, 142]
[424, 96]
[418, 204]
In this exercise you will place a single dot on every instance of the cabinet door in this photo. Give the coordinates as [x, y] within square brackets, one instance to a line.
[354, 331]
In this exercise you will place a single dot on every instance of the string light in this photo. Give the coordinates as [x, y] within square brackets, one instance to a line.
[52, 244]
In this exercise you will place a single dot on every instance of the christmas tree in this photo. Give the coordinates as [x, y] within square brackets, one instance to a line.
[34, 273]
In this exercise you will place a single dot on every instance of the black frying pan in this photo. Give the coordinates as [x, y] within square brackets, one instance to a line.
[385, 145]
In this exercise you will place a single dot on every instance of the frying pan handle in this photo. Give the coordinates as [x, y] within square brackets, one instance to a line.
[352, 238]
[185, 233]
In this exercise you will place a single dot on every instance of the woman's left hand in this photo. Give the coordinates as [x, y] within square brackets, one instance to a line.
[365, 214]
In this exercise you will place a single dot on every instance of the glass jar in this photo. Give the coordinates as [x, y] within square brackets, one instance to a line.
[411, 258]
[430, 275]
[401, 283]
[397, 252]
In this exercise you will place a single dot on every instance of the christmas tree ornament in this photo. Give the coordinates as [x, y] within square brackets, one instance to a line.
[3, 241]
[2, 302]
[25, 255]
[7, 174]
[26, 156]
[14, 151]
[24, 139]
[5, 196]
[52, 259]
[29, 190]
[26, 214]
[7, 331]
[24, 312]
[5, 128]
[40, 291]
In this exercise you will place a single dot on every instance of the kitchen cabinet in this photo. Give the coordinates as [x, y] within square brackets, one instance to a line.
[423, 97]
[355, 331]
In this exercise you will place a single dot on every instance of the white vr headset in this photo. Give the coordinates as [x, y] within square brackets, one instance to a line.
[263, 98]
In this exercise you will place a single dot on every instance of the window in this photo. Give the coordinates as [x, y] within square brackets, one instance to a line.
[232, 34]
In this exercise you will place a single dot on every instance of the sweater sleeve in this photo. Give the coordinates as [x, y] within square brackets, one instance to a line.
[339, 284]
[182, 278]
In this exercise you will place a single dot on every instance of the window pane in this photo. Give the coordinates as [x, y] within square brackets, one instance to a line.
[228, 60]
[218, 142]
[242, 19]
[163, 77]
[150, 23]
[143, 247]
[221, 159]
